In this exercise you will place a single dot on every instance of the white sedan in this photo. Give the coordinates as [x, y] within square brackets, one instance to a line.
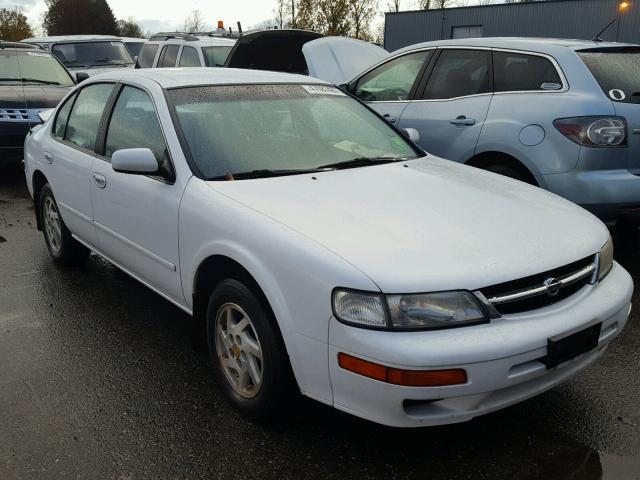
[324, 251]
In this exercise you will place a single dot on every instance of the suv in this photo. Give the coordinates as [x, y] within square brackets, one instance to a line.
[184, 50]
[559, 114]
[87, 54]
[31, 80]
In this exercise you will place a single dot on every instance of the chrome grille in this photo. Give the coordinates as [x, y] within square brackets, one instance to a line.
[20, 115]
[541, 290]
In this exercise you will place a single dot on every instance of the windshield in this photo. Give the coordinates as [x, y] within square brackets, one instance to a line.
[617, 70]
[90, 54]
[215, 56]
[134, 48]
[32, 68]
[242, 128]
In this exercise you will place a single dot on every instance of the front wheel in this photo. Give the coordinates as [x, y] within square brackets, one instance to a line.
[64, 249]
[247, 352]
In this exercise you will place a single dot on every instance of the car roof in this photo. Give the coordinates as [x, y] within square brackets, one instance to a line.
[133, 39]
[70, 38]
[542, 45]
[202, 41]
[185, 77]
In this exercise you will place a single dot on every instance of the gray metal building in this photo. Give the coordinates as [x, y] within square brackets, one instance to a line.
[551, 18]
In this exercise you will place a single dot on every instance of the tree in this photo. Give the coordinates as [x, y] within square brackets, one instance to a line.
[333, 17]
[306, 16]
[14, 25]
[281, 13]
[361, 13]
[194, 23]
[68, 17]
[129, 28]
[393, 6]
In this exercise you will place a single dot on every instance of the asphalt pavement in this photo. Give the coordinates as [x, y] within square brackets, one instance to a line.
[102, 379]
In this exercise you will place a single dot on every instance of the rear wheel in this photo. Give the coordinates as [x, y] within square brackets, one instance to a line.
[247, 352]
[64, 249]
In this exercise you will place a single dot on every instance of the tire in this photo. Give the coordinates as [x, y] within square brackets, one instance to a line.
[238, 328]
[507, 171]
[63, 248]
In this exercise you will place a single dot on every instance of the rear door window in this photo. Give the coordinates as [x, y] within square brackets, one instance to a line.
[168, 56]
[189, 57]
[215, 56]
[459, 73]
[515, 72]
[147, 56]
[393, 80]
[82, 127]
[617, 70]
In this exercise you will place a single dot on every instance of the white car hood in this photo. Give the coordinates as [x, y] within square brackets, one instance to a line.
[339, 59]
[429, 224]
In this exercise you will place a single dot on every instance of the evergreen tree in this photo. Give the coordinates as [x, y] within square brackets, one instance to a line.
[68, 17]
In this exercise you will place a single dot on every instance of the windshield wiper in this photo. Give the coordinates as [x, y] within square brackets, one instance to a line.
[75, 63]
[112, 62]
[360, 162]
[265, 173]
[29, 80]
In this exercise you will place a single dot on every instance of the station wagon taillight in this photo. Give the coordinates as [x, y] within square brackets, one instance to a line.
[594, 131]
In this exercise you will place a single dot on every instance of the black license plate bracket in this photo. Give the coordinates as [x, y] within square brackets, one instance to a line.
[567, 346]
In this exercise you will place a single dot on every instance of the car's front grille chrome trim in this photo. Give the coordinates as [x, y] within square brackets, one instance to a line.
[542, 289]
[539, 290]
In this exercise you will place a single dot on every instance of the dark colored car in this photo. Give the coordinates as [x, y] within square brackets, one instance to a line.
[31, 80]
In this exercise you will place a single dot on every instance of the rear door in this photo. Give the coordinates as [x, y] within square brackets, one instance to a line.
[71, 154]
[452, 103]
[168, 56]
[617, 71]
[389, 87]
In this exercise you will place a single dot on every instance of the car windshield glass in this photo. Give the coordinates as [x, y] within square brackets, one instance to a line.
[617, 70]
[32, 67]
[215, 56]
[280, 128]
[134, 48]
[92, 54]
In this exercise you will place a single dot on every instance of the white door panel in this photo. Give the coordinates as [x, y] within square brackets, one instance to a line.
[136, 220]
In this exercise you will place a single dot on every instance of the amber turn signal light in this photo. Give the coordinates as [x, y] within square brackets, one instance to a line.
[407, 378]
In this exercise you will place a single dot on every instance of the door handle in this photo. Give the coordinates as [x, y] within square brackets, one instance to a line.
[48, 157]
[462, 121]
[100, 180]
[389, 118]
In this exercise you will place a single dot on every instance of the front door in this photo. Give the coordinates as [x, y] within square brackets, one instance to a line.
[136, 216]
[388, 87]
[450, 111]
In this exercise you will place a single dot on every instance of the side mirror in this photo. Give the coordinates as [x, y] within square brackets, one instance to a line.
[136, 161]
[81, 77]
[44, 115]
[412, 134]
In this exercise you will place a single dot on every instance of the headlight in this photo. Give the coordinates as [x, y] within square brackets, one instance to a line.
[408, 312]
[605, 259]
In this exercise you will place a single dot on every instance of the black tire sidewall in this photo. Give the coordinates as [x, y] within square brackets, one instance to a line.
[275, 368]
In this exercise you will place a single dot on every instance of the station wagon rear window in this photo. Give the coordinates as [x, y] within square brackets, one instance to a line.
[617, 70]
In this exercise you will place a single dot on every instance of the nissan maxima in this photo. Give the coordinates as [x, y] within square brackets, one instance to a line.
[325, 253]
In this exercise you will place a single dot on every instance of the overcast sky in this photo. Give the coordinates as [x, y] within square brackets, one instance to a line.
[158, 15]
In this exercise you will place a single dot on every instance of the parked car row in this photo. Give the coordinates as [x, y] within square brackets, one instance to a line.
[325, 252]
[294, 211]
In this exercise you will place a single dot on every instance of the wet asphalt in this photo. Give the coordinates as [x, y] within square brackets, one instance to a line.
[102, 379]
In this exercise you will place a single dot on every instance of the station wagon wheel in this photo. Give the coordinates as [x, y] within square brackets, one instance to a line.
[238, 350]
[247, 351]
[64, 249]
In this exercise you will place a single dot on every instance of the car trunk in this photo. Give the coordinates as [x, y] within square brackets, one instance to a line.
[275, 50]
[617, 71]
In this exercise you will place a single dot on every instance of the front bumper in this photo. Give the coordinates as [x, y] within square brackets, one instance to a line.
[12, 135]
[501, 359]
